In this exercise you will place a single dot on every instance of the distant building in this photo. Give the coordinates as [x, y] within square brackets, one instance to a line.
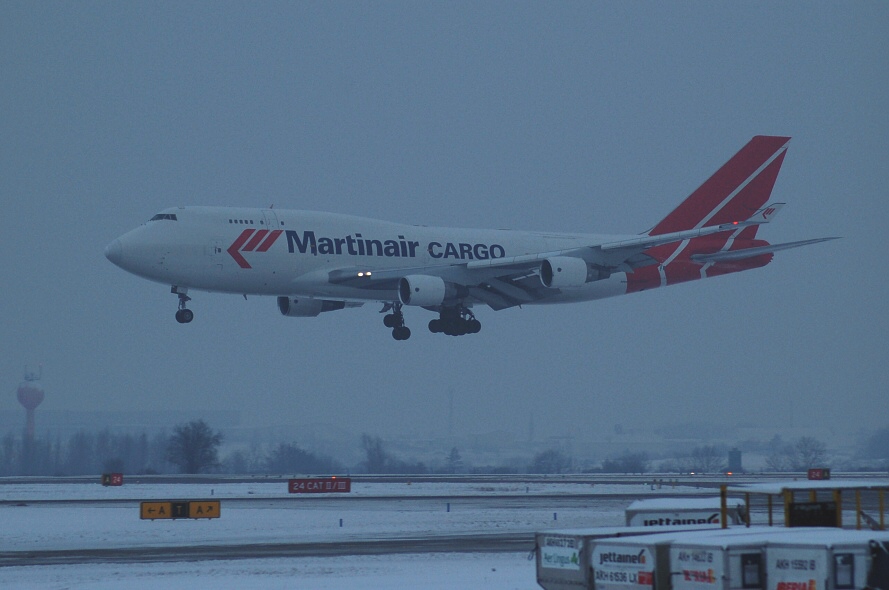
[734, 461]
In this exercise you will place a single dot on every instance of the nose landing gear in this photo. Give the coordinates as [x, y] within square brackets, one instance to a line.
[395, 320]
[184, 315]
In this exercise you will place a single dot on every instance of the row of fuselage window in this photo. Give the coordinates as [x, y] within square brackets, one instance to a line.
[247, 222]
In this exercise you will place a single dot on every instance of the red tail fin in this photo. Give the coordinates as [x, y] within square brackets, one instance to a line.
[734, 192]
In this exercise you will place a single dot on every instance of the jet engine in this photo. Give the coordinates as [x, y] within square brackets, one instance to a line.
[561, 272]
[424, 290]
[306, 307]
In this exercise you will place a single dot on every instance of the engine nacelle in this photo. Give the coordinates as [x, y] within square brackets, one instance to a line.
[306, 307]
[424, 290]
[560, 272]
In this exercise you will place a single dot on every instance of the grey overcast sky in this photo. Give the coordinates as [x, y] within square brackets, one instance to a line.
[571, 116]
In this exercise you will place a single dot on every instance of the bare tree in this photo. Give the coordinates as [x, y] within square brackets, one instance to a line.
[778, 460]
[377, 458]
[876, 447]
[454, 461]
[9, 453]
[808, 452]
[289, 457]
[707, 459]
[551, 461]
[194, 447]
[626, 463]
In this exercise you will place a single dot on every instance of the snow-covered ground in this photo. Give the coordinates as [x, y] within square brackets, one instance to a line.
[251, 514]
[436, 571]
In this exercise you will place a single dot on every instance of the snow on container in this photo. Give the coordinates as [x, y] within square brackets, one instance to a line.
[679, 512]
[733, 561]
[564, 556]
[637, 563]
[833, 559]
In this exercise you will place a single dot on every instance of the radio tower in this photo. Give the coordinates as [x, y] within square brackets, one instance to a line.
[30, 394]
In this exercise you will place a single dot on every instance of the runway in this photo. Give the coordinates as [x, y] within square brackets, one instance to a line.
[510, 542]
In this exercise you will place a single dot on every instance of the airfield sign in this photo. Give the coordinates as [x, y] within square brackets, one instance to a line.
[112, 479]
[207, 509]
[174, 510]
[319, 485]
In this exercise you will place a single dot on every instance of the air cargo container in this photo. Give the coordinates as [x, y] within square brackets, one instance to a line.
[680, 512]
[878, 577]
[827, 560]
[564, 556]
[638, 563]
[734, 561]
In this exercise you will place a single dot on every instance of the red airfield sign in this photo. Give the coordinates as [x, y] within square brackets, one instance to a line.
[319, 485]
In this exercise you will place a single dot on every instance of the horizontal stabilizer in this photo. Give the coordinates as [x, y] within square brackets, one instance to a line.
[751, 252]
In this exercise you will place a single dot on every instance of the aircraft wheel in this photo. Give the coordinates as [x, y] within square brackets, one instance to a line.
[390, 320]
[475, 327]
[184, 316]
[435, 326]
[401, 333]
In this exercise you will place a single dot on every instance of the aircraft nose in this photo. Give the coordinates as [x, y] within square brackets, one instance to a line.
[114, 252]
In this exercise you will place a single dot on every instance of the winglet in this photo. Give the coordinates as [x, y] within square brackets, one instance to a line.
[768, 212]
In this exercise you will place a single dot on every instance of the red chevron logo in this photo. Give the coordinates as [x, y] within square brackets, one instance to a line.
[252, 240]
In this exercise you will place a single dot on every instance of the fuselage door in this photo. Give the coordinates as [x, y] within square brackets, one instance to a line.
[271, 219]
[214, 249]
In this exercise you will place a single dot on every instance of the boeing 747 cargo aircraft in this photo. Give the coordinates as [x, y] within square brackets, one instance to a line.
[318, 262]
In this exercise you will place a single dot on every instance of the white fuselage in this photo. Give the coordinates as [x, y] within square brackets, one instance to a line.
[288, 252]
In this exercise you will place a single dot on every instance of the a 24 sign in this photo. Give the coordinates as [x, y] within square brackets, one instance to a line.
[319, 485]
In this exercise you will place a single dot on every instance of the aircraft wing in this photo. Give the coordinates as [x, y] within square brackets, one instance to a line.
[616, 254]
[507, 282]
[621, 253]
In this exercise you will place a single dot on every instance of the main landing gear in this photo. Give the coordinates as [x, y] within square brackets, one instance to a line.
[184, 315]
[455, 321]
[395, 320]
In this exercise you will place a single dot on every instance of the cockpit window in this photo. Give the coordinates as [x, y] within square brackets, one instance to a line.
[167, 216]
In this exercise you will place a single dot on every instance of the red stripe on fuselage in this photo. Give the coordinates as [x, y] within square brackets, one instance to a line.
[270, 240]
[259, 235]
[683, 269]
[236, 245]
